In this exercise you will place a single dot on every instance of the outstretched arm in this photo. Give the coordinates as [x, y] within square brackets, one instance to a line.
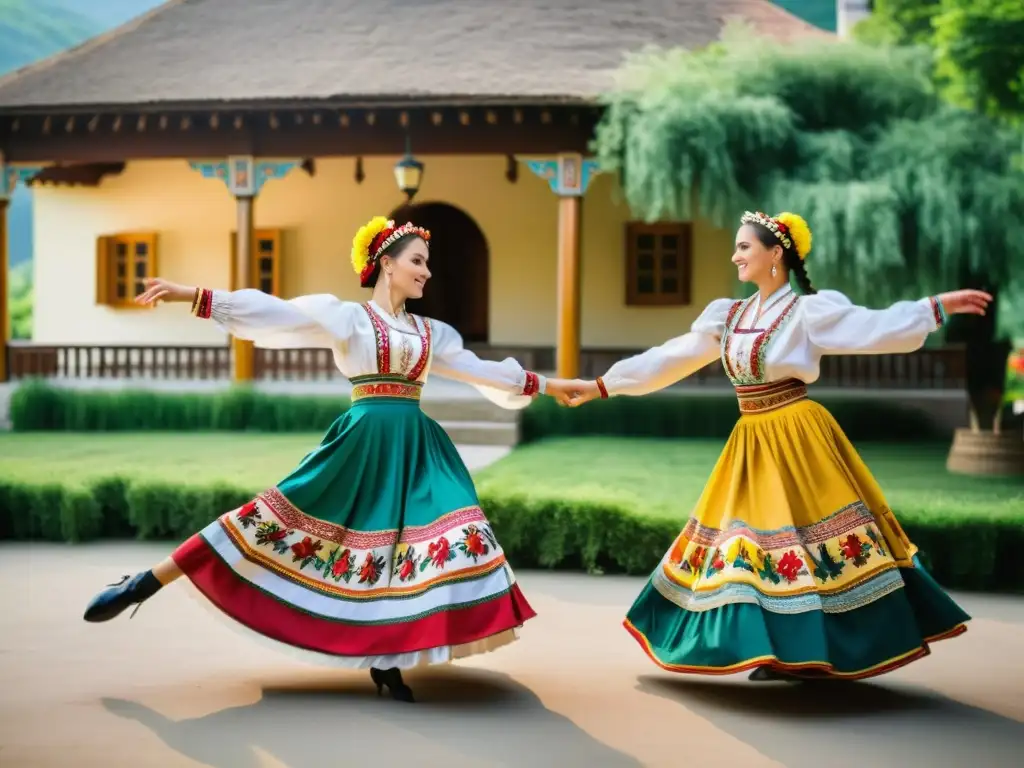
[307, 321]
[836, 326]
[505, 383]
[666, 364]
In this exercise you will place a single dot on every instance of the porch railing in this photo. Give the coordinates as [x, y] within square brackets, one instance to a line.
[938, 368]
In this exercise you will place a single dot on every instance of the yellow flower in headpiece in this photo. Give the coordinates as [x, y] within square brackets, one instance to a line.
[799, 232]
[361, 242]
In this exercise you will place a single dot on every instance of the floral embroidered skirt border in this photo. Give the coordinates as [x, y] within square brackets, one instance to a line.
[791, 560]
[373, 552]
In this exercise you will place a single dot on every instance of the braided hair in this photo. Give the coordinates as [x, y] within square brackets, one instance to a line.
[790, 259]
[798, 269]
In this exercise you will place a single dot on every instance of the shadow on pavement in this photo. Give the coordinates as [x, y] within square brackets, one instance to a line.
[847, 724]
[485, 717]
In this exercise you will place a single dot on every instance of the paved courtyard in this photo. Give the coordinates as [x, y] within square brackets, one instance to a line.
[176, 687]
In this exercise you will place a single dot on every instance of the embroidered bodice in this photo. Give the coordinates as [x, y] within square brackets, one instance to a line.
[366, 341]
[786, 338]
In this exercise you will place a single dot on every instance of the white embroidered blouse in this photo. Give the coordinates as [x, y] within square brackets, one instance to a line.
[787, 339]
[366, 340]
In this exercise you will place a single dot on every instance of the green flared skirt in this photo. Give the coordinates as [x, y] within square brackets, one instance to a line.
[374, 551]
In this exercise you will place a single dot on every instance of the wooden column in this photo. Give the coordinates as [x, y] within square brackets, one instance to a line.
[5, 285]
[243, 352]
[568, 176]
[567, 353]
[244, 176]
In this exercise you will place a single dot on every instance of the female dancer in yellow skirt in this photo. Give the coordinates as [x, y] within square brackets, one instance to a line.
[792, 563]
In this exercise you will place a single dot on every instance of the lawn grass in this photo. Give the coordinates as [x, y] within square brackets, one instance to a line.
[243, 460]
[656, 478]
[664, 478]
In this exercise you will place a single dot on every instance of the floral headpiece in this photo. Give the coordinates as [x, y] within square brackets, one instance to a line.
[373, 238]
[789, 228]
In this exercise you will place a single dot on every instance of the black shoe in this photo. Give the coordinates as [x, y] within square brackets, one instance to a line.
[128, 591]
[765, 674]
[392, 678]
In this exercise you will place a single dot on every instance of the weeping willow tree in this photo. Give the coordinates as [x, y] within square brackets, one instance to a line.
[906, 195]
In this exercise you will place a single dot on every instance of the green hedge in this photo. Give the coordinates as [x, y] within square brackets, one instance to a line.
[713, 415]
[967, 554]
[38, 406]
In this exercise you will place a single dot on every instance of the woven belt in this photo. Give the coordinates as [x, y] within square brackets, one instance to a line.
[389, 388]
[761, 398]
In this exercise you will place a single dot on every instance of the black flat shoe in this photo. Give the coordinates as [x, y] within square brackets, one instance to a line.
[392, 678]
[766, 674]
[128, 591]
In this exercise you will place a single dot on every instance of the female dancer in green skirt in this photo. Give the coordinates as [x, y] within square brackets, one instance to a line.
[374, 551]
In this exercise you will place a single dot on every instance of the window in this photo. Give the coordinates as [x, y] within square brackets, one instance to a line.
[658, 263]
[123, 263]
[264, 264]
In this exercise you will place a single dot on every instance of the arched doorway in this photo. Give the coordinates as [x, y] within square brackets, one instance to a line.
[459, 289]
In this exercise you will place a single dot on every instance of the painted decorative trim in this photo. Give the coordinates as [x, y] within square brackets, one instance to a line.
[11, 175]
[274, 169]
[244, 175]
[211, 169]
[567, 175]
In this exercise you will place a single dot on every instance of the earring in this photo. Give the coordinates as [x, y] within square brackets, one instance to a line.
[775, 270]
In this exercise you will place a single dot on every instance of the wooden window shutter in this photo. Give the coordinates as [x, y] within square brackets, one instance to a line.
[103, 268]
[658, 263]
[274, 237]
[255, 272]
[152, 242]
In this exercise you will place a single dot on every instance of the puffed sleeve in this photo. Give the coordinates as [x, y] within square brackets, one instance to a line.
[660, 367]
[506, 383]
[837, 326]
[319, 320]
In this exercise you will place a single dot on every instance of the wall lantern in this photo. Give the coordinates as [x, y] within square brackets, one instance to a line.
[409, 173]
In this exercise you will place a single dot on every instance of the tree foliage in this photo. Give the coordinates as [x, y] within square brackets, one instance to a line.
[906, 195]
[977, 47]
[19, 295]
[899, 22]
[980, 54]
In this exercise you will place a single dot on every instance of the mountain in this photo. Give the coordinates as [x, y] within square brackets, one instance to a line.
[34, 29]
[31, 30]
[108, 13]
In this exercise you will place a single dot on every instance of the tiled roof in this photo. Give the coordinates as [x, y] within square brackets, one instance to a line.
[189, 51]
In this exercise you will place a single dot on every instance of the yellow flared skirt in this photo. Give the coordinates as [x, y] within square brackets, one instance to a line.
[791, 558]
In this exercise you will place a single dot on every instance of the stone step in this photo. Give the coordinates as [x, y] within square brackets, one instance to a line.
[458, 409]
[482, 432]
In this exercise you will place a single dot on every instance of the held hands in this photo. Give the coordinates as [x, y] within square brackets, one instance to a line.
[965, 302]
[572, 392]
[158, 289]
